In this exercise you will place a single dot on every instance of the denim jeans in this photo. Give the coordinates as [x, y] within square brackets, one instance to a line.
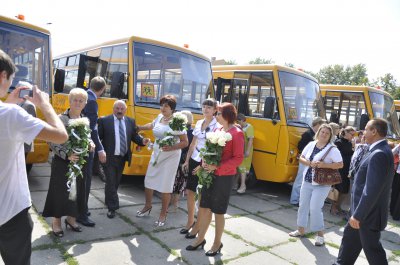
[312, 198]
[295, 195]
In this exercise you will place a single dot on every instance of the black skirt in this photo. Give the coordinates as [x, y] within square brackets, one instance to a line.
[57, 202]
[193, 179]
[216, 198]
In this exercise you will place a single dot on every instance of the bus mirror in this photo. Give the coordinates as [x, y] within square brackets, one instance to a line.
[363, 121]
[117, 85]
[59, 79]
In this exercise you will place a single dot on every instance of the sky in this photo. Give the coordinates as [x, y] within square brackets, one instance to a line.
[310, 34]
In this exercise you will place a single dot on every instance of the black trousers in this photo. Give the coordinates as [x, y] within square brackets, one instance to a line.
[15, 239]
[113, 169]
[88, 184]
[364, 238]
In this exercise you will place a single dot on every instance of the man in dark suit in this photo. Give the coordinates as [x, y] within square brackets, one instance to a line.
[97, 87]
[116, 132]
[369, 199]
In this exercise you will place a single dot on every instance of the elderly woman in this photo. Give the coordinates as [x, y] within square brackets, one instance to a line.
[312, 195]
[160, 176]
[57, 201]
[215, 199]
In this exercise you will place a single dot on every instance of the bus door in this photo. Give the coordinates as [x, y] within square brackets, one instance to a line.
[89, 67]
[346, 108]
[224, 91]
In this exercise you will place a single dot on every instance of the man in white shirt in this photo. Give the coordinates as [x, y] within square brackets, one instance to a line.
[17, 128]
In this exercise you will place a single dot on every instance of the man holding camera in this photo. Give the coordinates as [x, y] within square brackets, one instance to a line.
[18, 127]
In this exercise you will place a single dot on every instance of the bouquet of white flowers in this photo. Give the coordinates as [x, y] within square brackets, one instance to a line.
[178, 127]
[78, 143]
[211, 154]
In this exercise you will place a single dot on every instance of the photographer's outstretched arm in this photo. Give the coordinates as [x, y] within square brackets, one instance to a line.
[54, 130]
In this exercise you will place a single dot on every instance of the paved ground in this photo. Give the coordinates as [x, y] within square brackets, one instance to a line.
[256, 230]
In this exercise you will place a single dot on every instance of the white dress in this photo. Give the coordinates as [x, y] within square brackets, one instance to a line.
[161, 176]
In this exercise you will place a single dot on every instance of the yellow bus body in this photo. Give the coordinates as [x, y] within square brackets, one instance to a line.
[275, 138]
[142, 113]
[23, 41]
[350, 103]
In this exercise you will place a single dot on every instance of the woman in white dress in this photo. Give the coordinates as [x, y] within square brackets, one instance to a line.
[160, 175]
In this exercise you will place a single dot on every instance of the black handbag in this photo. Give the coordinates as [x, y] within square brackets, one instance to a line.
[327, 176]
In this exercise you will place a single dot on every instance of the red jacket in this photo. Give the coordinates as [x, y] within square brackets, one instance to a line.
[233, 153]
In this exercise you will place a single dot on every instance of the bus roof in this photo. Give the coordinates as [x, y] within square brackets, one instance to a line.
[134, 39]
[352, 88]
[23, 24]
[259, 68]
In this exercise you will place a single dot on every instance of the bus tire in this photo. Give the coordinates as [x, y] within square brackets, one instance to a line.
[251, 179]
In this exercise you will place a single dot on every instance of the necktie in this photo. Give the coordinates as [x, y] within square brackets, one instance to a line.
[122, 138]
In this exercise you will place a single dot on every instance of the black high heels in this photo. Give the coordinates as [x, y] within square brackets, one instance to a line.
[76, 228]
[192, 248]
[185, 231]
[214, 253]
[190, 236]
[57, 233]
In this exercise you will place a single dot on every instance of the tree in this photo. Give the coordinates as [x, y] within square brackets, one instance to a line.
[231, 62]
[260, 60]
[290, 65]
[339, 75]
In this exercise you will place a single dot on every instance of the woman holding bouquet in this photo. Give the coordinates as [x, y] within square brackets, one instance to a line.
[58, 203]
[215, 198]
[160, 175]
[193, 160]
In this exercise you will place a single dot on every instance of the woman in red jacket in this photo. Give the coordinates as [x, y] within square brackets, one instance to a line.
[215, 199]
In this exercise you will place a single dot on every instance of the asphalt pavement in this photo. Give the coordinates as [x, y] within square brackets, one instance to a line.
[256, 231]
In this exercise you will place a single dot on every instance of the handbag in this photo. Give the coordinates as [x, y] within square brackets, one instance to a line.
[327, 176]
[333, 194]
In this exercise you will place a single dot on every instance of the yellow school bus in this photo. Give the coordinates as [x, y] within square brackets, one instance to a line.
[139, 71]
[356, 105]
[280, 102]
[397, 107]
[29, 48]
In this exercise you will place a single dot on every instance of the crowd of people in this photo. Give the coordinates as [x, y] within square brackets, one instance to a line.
[366, 167]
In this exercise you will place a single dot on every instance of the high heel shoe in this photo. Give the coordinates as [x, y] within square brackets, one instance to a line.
[161, 223]
[192, 248]
[185, 231]
[190, 236]
[76, 228]
[213, 253]
[57, 233]
[143, 212]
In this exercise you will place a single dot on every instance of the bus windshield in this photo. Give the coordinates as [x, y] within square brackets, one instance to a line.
[30, 52]
[301, 98]
[159, 71]
[383, 107]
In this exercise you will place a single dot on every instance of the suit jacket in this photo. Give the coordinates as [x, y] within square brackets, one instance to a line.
[371, 188]
[91, 112]
[107, 135]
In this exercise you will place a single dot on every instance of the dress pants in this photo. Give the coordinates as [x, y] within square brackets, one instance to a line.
[364, 238]
[88, 184]
[15, 239]
[114, 167]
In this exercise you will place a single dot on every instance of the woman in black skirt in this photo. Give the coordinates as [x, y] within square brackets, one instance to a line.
[57, 200]
[215, 199]
[345, 146]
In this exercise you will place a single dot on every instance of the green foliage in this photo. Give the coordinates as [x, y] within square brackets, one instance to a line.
[340, 75]
[260, 60]
[231, 62]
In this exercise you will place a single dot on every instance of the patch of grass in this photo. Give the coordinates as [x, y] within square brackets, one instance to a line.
[264, 248]
[396, 252]
[332, 245]
[292, 239]
[43, 247]
[245, 254]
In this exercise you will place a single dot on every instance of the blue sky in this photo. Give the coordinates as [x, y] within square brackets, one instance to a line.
[310, 34]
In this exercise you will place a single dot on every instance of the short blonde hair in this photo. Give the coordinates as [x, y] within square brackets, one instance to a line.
[334, 125]
[325, 126]
[188, 115]
[77, 92]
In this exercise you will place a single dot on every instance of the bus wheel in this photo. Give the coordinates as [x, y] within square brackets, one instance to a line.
[28, 168]
[251, 179]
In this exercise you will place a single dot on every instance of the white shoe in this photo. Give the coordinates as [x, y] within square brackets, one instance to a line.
[242, 190]
[319, 241]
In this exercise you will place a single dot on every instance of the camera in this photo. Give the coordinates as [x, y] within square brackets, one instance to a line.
[25, 92]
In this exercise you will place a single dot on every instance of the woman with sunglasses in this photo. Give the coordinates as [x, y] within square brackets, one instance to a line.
[193, 160]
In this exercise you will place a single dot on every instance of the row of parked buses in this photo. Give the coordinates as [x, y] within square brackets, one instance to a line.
[280, 102]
